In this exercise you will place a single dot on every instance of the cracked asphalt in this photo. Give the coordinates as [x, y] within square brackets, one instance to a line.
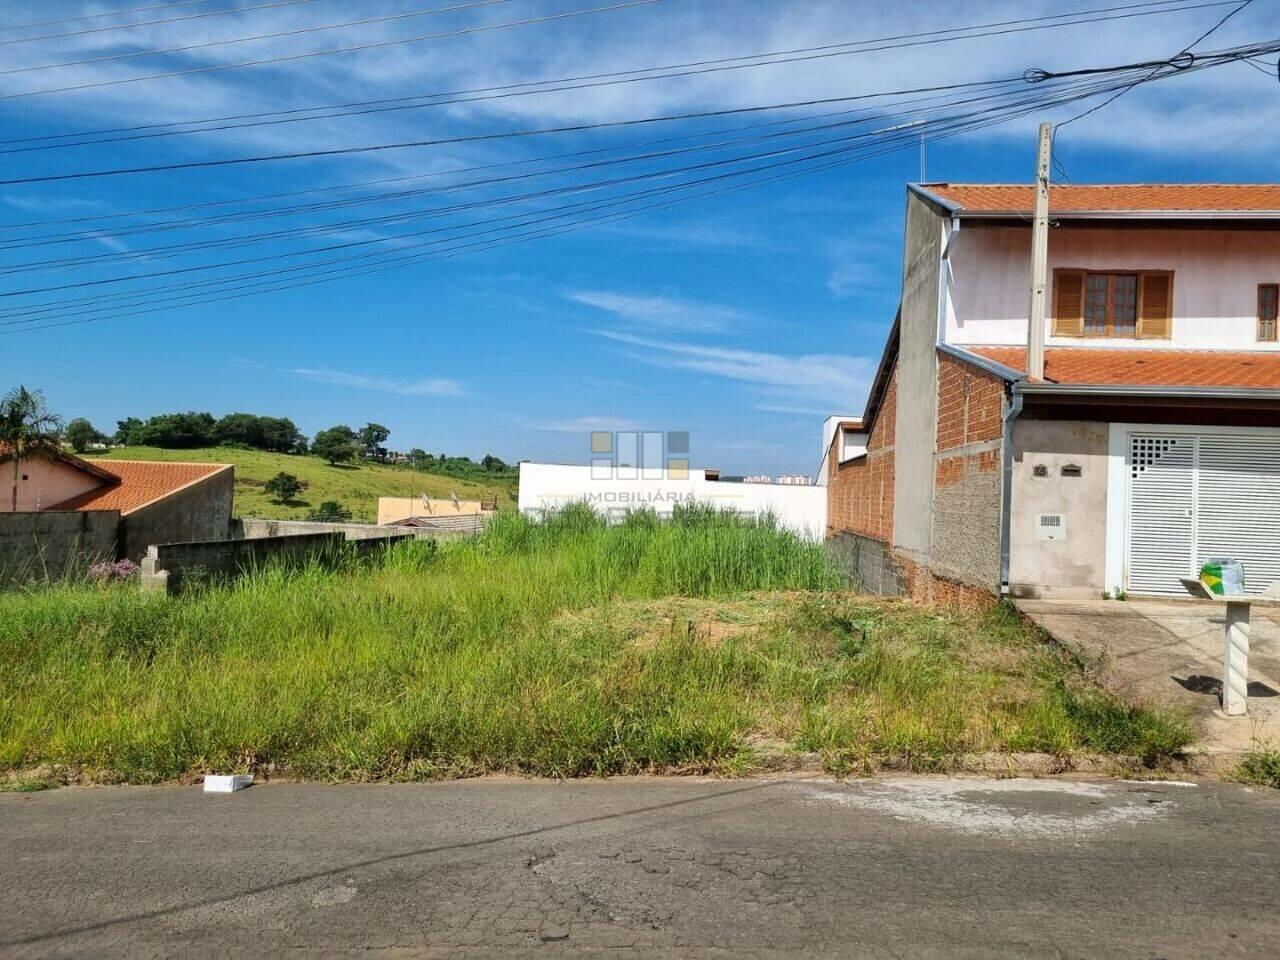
[671, 867]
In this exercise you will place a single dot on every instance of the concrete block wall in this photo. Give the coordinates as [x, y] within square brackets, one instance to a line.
[55, 543]
[171, 566]
[199, 512]
[252, 529]
[869, 563]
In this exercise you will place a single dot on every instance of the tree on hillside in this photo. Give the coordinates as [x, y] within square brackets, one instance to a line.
[277, 434]
[337, 444]
[126, 431]
[331, 511]
[281, 435]
[27, 429]
[372, 437]
[177, 431]
[81, 433]
[283, 487]
[419, 458]
[490, 462]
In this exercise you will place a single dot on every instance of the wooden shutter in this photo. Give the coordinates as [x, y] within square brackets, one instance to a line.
[1155, 306]
[1068, 303]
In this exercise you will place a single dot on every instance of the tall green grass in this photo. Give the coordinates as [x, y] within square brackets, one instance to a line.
[563, 648]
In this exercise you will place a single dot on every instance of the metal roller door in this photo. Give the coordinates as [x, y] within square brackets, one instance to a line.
[1194, 496]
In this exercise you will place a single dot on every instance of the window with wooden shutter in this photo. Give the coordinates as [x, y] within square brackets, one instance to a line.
[1118, 305]
[1268, 301]
[1068, 303]
[1155, 320]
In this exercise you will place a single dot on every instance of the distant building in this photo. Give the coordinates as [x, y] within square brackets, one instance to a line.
[617, 490]
[427, 511]
[129, 504]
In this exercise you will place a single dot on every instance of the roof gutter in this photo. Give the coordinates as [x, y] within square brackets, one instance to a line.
[961, 212]
[982, 363]
[1041, 389]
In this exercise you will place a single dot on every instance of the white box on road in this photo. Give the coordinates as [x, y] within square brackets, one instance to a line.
[226, 784]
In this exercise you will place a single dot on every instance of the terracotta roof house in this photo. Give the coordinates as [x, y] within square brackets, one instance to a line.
[1150, 443]
[153, 502]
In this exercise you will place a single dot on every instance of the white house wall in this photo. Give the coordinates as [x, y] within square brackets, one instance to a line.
[1215, 283]
[550, 486]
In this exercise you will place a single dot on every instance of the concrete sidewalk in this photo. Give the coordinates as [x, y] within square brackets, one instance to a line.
[920, 868]
[1170, 651]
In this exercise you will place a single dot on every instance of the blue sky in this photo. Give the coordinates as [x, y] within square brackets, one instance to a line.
[743, 318]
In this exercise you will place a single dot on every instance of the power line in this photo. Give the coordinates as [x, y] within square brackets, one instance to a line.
[387, 197]
[373, 45]
[444, 141]
[116, 298]
[965, 123]
[346, 270]
[148, 23]
[528, 88]
[300, 31]
[99, 16]
[148, 252]
[911, 131]
[1185, 51]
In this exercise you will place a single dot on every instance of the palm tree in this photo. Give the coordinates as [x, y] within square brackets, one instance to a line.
[27, 429]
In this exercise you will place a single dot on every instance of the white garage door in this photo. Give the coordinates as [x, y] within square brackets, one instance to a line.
[1194, 496]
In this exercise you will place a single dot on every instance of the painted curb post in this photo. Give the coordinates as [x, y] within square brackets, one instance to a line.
[1235, 661]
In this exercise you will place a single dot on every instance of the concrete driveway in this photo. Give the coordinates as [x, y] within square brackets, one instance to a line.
[915, 868]
[1170, 651]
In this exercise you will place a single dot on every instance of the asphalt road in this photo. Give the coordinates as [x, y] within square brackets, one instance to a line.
[910, 868]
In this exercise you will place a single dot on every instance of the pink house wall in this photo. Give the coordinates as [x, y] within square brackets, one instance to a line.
[1215, 284]
[42, 483]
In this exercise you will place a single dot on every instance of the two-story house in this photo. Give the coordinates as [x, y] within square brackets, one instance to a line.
[1151, 443]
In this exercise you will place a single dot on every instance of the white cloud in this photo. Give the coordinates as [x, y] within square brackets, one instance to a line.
[433, 387]
[827, 377]
[665, 313]
[788, 409]
[695, 234]
[582, 424]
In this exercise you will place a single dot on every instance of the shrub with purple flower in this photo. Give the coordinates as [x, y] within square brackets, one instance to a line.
[108, 572]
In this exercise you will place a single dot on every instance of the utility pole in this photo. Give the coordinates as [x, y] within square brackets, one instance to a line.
[1036, 311]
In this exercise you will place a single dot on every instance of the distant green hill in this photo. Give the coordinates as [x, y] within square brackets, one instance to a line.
[356, 486]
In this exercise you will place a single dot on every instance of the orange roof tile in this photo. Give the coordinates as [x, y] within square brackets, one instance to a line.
[1137, 367]
[1113, 198]
[141, 482]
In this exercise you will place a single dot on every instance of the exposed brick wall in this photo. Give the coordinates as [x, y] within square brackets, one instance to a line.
[970, 404]
[860, 493]
[963, 565]
[965, 539]
[924, 585]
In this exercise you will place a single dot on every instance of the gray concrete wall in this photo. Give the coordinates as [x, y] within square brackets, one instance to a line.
[917, 380]
[251, 529]
[869, 564]
[55, 543]
[1075, 565]
[201, 511]
[172, 566]
[965, 543]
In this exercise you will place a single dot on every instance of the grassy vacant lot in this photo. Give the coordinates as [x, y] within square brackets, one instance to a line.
[357, 487]
[564, 649]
